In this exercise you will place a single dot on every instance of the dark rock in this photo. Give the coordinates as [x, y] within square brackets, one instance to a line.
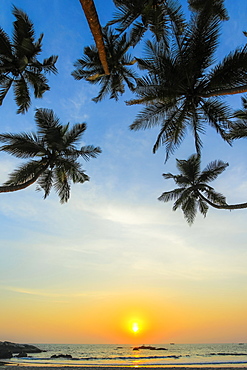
[161, 349]
[5, 354]
[18, 348]
[22, 354]
[61, 356]
[151, 348]
[228, 354]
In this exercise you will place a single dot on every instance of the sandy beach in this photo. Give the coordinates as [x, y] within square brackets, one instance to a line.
[6, 366]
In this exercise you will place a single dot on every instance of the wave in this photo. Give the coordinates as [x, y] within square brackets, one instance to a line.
[99, 358]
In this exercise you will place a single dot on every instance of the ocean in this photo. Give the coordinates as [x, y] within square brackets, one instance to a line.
[171, 354]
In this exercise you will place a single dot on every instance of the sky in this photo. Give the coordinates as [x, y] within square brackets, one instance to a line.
[86, 271]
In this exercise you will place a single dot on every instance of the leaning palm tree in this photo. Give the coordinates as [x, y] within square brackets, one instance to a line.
[19, 66]
[143, 15]
[57, 163]
[89, 67]
[182, 86]
[238, 128]
[95, 27]
[193, 192]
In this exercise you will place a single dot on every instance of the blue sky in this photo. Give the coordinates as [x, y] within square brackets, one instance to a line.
[114, 242]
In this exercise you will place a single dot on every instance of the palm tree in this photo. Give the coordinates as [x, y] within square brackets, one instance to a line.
[95, 27]
[215, 7]
[90, 68]
[56, 165]
[193, 192]
[180, 90]
[19, 65]
[144, 15]
[238, 128]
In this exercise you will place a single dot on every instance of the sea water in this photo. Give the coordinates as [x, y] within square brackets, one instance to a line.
[171, 354]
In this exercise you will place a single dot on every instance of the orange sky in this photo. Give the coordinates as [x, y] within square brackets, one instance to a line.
[109, 319]
[85, 271]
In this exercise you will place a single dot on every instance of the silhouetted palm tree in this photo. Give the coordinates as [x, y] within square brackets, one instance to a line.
[95, 27]
[143, 15]
[180, 90]
[56, 165]
[238, 128]
[216, 7]
[193, 192]
[19, 65]
[89, 67]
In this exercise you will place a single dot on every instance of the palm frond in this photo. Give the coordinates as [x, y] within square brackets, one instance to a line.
[189, 208]
[230, 73]
[73, 135]
[215, 197]
[61, 185]
[45, 182]
[137, 33]
[48, 64]
[172, 132]
[23, 31]
[21, 95]
[5, 45]
[72, 170]
[5, 85]
[45, 120]
[203, 207]
[212, 171]
[238, 130]
[38, 82]
[24, 172]
[22, 145]
[171, 195]
[199, 43]
[215, 7]
[89, 151]
[189, 168]
[149, 117]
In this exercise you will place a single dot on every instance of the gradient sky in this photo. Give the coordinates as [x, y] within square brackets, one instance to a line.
[85, 271]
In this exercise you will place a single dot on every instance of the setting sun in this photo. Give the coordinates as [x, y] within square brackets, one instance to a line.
[135, 327]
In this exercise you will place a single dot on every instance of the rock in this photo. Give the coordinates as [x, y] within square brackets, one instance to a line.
[4, 354]
[7, 349]
[151, 348]
[22, 354]
[61, 356]
[161, 349]
[17, 348]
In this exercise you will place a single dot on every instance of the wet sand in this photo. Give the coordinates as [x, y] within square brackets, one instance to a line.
[6, 366]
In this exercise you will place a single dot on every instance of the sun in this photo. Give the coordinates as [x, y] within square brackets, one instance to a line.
[135, 327]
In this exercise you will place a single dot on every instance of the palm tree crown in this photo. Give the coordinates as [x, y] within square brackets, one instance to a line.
[180, 90]
[193, 191]
[192, 183]
[238, 128]
[57, 164]
[143, 15]
[216, 7]
[19, 66]
[89, 67]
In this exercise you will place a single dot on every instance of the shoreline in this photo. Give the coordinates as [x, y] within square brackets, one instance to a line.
[10, 366]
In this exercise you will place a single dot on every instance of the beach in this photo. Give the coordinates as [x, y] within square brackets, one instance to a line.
[6, 366]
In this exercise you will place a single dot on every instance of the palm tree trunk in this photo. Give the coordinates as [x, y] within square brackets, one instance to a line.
[226, 206]
[93, 22]
[231, 91]
[24, 185]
